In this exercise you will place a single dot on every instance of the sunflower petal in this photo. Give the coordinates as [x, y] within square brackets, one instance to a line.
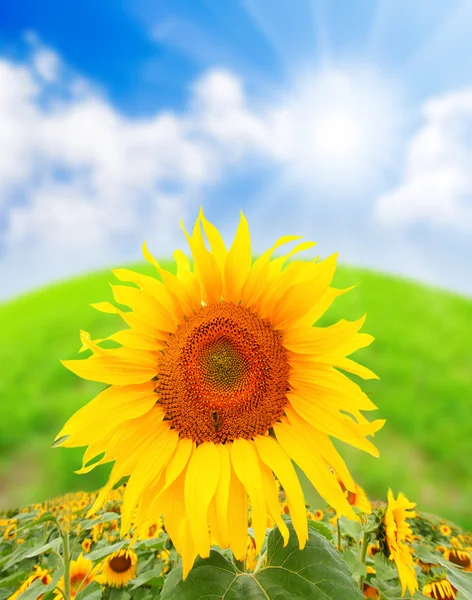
[200, 486]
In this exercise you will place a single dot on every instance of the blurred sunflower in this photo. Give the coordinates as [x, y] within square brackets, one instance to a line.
[119, 568]
[219, 382]
[460, 558]
[445, 530]
[38, 573]
[396, 532]
[370, 592]
[82, 573]
[440, 590]
[357, 498]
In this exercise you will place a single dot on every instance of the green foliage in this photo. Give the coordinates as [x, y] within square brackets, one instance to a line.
[316, 573]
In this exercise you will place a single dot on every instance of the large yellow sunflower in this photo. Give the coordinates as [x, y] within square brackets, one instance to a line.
[220, 381]
[397, 532]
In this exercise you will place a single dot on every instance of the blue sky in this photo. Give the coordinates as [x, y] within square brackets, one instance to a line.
[347, 122]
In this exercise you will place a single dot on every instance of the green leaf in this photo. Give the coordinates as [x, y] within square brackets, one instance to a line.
[351, 528]
[354, 563]
[321, 528]
[315, 573]
[152, 578]
[13, 580]
[52, 545]
[92, 591]
[384, 568]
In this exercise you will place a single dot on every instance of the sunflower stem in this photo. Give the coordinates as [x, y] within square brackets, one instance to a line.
[338, 528]
[66, 553]
[365, 543]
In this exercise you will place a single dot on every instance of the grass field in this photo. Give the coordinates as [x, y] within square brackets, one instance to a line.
[422, 354]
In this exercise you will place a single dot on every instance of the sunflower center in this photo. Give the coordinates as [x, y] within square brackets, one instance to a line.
[223, 365]
[120, 563]
[223, 375]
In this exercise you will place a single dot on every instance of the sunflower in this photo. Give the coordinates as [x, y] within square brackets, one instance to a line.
[86, 545]
[119, 568]
[219, 382]
[81, 574]
[357, 498]
[445, 530]
[460, 558]
[397, 531]
[317, 515]
[440, 590]
[373, 549]
[370, 592]
[38, 573]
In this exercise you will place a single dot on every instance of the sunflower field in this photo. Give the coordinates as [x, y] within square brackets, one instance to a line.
[221, 381]
[39, 543]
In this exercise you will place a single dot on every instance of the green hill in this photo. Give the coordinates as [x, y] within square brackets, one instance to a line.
[422, 354]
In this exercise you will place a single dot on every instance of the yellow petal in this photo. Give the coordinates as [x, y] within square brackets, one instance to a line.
[110, 370]
[172, 284]
[144, 307]
[107, 410]
[294, 441]
[237, 517]
[222, 493]
[215, 240]
[206, 267]
[238, 263]
[299, 298]
[272, 502]
[147, 470]
[246, 465]
[139, 341]
[259, 271]
[200, 485]
[332, 423]
[279, 462]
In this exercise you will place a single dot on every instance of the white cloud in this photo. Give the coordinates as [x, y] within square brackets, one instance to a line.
[78, 179]
[437, 180]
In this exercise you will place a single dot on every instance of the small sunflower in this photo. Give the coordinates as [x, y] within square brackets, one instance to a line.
[461, 558]
[82, 572]
[445, 530]
[220, 381]
[440, 590]
[10, 532]
[370, 591]
[86, 545]
[397, 531]
[357, 498]
[119, 568]
[38, 573]
[317, 515]
[373, 549]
